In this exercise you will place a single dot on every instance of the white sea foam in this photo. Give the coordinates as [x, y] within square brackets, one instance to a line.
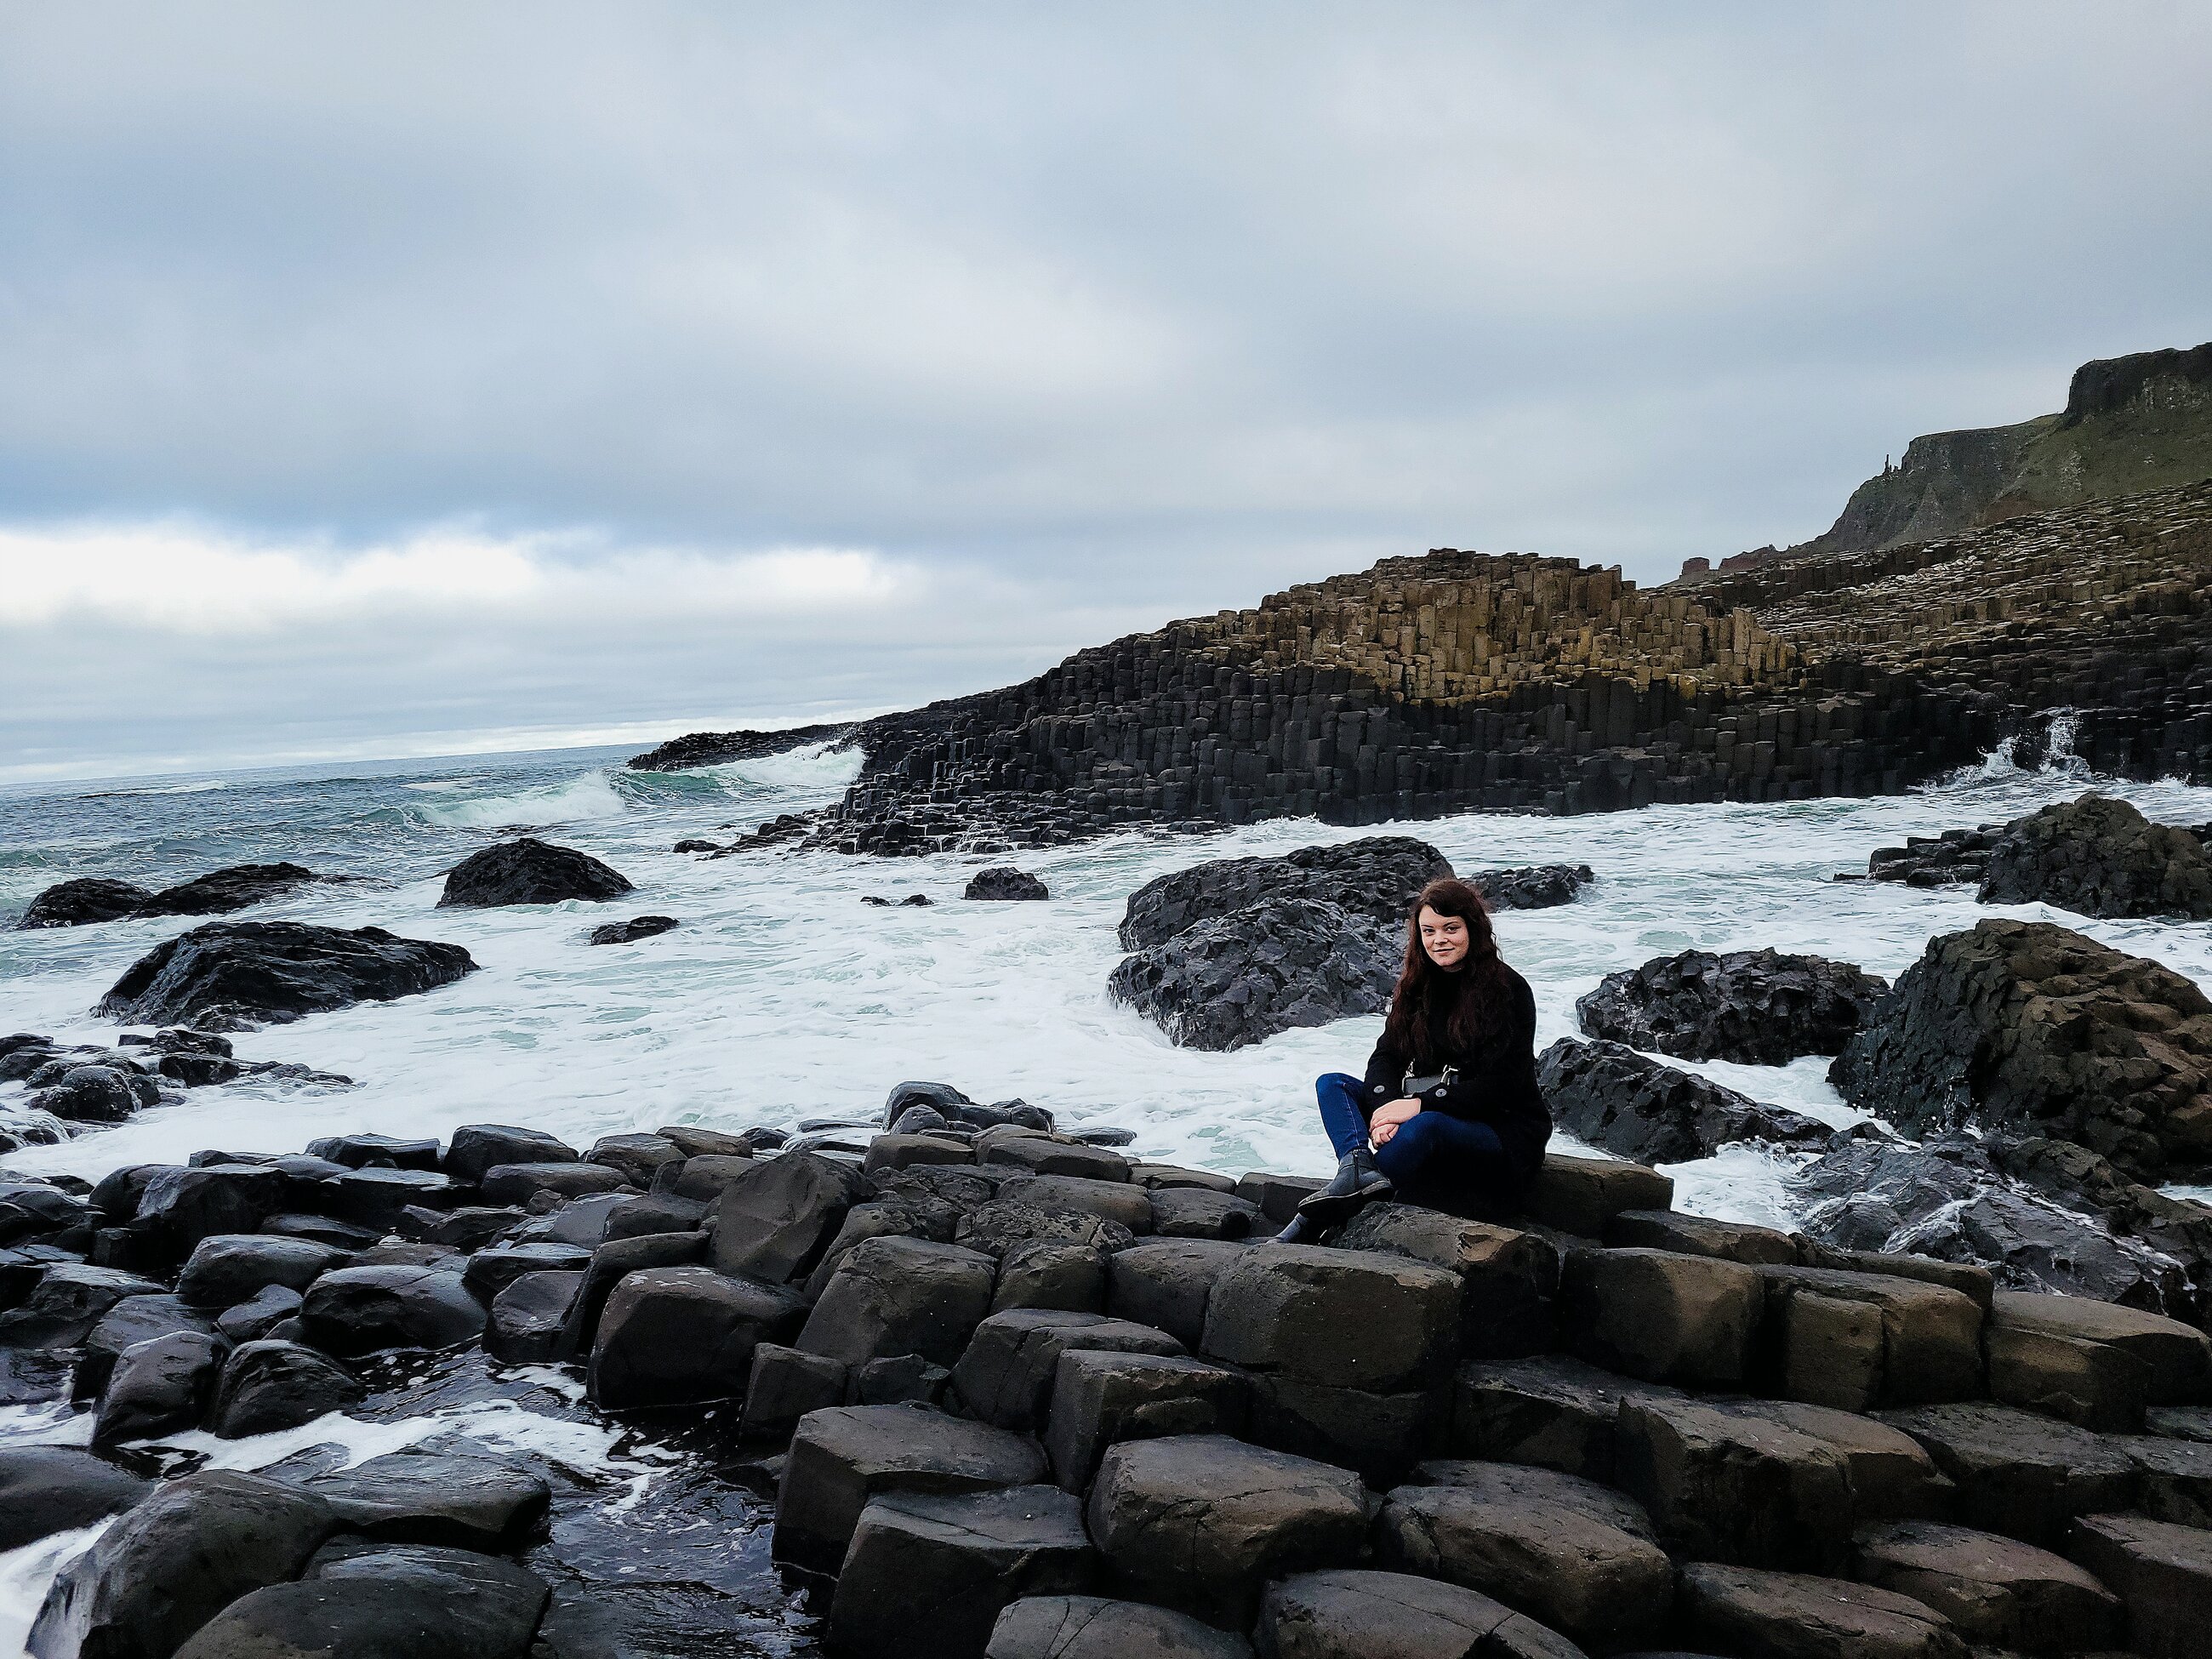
[27, 1573]
[588, 795]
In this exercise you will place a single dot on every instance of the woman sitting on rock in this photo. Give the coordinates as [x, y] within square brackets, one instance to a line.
[1448, 1114]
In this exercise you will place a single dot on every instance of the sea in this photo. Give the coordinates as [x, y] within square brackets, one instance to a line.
[782, 998]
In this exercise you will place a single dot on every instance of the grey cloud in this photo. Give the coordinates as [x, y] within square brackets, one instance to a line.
[1128, 311]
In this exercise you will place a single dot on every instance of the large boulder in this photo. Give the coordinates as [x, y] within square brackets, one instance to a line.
[67, 1300]
[272, 1384]
[1949, 1198]
[1724, 1485]
[1006, 1375]
[1100, 1399]
[358, 1311]
[1760, 1008]
[899, 1296]
[678, 1335]
[86, 899]
[2031, 1027]
[1610, 1096]
[2099, 857]
[1004, 882]
[390, 1603]
[44, 1490]
[528, 1316]
[1278, 965]
[93, 1094]
[225, 1269]
[1168, 1283]
[1201, 1522]
[1375, 879]
[1661, 1317]
[161, 1387]
[772, 1221]
[183, 1554]
[529, 871]
[230, 975]
[134, 1320]
[928, 1574]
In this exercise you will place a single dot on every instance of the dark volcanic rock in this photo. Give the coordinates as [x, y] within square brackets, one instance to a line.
[637, 927]
[225, 975]
[176, 1560]
[1239, 979]
[386, 1604]
[2034, 1028]
[93, 898]
[1531, 887]
[93, 1094]
[1759, 1007]
[86, 899]
[270, 1385]
[1612, 1098]
[719, 748]
[49, 1489]
[1005, 881]
[356, 1310]
[160, 1387]
[1377, 879]
[2099, 857]
[529, 871]
[1093, 1627]
[1950, 1199]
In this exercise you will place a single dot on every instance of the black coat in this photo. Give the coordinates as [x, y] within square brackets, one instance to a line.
[1497, 1080]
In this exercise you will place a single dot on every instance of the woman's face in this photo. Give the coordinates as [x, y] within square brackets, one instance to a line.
[1445, 937]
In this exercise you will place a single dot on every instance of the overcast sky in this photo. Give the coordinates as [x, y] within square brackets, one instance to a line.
[379, 379]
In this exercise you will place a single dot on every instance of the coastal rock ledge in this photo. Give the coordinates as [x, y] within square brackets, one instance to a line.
[1020, 1397]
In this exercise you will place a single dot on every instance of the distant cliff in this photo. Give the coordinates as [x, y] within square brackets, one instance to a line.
[2130, 424]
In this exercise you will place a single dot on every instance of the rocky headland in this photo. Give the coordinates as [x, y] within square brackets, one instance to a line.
[1469, 682]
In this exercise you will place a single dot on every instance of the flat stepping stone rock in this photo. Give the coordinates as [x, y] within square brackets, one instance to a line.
[1575, 1555]
[418, 1497]
[926, 1574]
[2162, 1574]
[1789, 1615]
[1660, 1316]
[1168, 1283]
[1201, 1522]
[1552, 1410]
[477, 1147]
[1892, 1477]
[2018, 1473]
[1094, 1627]
[2177, 1357]
[1353, 1613]
[890, 1297]
[1578, 1193]
[1006, 1375]
[1343, 1319]
[1724, 1485]
[1996, 1591]
[842, 1456]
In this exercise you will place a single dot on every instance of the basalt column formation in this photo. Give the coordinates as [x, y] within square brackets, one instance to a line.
[1464, 681]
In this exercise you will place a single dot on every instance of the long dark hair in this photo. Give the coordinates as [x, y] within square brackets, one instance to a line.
[1481, 983]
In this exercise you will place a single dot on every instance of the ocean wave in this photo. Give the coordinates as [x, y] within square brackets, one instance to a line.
[206, 786]
[817, 766]
[588, 795]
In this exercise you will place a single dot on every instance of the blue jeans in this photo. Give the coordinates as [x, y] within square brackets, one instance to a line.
[1436, 1160]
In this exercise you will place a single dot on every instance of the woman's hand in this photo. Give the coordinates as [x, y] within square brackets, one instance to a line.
[1384, 1124]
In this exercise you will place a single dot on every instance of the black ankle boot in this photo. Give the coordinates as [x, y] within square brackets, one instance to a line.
[1300, 1231]
[1356, 1183]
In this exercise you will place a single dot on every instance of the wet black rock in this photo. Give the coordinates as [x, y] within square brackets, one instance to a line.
[1531, 887]
[2034, 1028]
[160, 1387]
[2099, 857]
[1005, 881]
[1271, 967]
[227, 976]
[44, 1490]
[1759, 1007]
[394, 1603]
[478, 1148]
[85, 900]
[719, 748]
[1612, 1098]
[1950, 1199]
[224, 1270]
[462, 1500]
[93, 898]
[358, 1311]
[1377, 879]
[95, 1094]
[174, 1561]
[914, 901]
[529, 871]
[637, 927]
[1955, 858]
